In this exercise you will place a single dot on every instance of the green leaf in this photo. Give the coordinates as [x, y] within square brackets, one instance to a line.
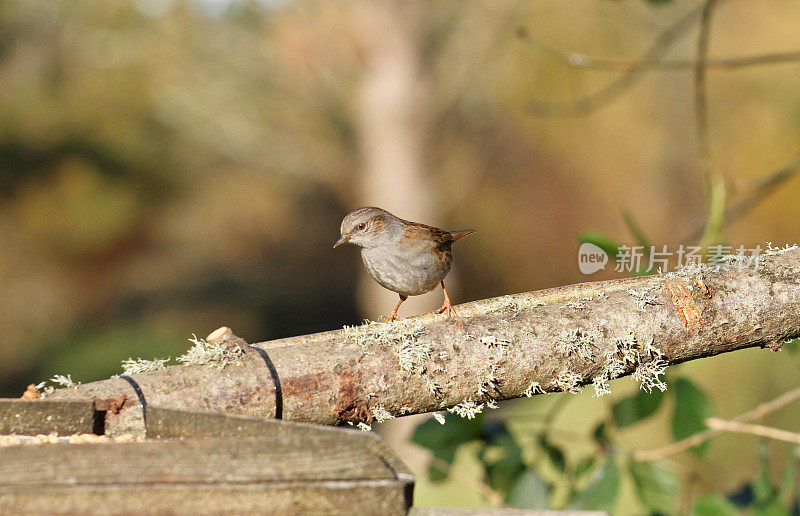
[553, 453]
[713, 505]
[600, 494]
[692, 407]
[529, 492]
[443, 441]
[789, 476]
[436, 475]
[763, 488]
[766, 500]
[636, 407]
[600, 434]
[773, 508]
[504, 472]
[455, 431]
[656, 486]
[446, 454]
[584, 466]
[610, 247]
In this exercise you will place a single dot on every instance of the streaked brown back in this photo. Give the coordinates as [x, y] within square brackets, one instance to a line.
[441, 237]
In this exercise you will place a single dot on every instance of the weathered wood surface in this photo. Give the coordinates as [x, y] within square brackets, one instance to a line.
[165, 422]
[31, 417]
[207, 463]
[188, 461]
[494, 349]
[371, 497]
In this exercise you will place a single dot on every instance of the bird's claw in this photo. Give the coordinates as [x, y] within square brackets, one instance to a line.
[390, 318]
[448, 309]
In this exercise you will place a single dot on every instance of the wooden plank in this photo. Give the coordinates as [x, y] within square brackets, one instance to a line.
[402, 472]
[206, 461]
[230, 464]
[168, 422]
[355, 497]
[31, 417]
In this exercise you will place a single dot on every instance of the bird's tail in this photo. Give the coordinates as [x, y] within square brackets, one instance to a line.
[461, 234]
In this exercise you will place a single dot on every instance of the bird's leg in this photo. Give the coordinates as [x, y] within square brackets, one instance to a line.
[393, 317]
[446, 307]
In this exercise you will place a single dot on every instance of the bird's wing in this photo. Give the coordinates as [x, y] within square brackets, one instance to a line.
[435, 235]
[417, 234]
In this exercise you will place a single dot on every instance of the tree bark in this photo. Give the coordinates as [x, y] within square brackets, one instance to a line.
[495, 349]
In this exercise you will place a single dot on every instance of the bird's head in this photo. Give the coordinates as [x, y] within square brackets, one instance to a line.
[364, 227]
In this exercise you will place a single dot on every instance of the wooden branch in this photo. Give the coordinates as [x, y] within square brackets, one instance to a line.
[495, 349]
[768, 407]
[751, 429]
[611, 64]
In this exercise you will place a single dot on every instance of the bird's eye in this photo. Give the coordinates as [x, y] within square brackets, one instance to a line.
[361, 226]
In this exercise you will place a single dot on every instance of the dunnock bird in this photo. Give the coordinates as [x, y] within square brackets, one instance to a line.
[406, 257]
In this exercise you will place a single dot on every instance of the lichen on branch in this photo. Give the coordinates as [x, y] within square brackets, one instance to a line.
[519, 345]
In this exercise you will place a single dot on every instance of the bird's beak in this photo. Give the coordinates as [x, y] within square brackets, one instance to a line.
[343, 240]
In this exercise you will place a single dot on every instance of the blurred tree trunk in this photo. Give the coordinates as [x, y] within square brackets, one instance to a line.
[392, 124]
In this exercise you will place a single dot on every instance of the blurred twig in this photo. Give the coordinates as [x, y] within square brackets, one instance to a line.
[714, 180]
[610, 64]
[763, 188]
[759, 192]
[636, 230]
[693, 440]
[476, 66]
[718, 215]
[747, 428]
[448, 101]
[612, 91]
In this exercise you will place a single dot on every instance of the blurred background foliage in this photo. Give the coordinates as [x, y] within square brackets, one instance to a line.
[170, 166]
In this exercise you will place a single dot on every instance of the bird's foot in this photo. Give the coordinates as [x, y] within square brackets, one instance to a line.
[394, 317]
[447, 308]
[391, 318]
